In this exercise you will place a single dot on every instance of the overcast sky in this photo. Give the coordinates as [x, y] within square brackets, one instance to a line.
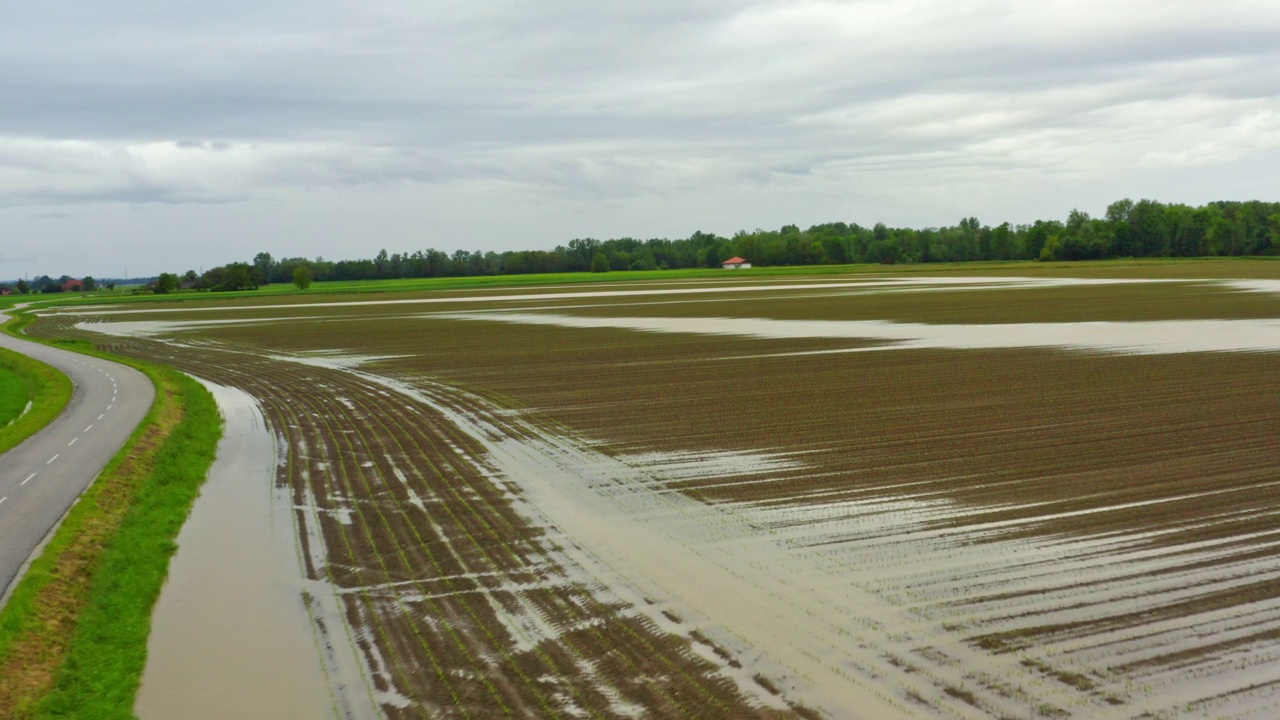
[154, 135]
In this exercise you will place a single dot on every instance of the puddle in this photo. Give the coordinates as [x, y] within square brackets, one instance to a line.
[147, 328]
[1261, 286]
[1154, 337]
[336, 359]
[231, 635]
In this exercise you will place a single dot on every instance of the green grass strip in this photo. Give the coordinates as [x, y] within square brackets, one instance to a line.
[21, 380]
[16, 322]
[15, 392]
[87, 599]
[108, 651]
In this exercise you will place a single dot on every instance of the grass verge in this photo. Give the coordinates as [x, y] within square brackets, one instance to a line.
[15, 392]
[73, 636]
[25, 379]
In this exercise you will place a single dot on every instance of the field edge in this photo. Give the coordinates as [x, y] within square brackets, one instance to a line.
[73, 635]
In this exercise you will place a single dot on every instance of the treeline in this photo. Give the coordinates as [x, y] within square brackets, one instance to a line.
[1129, 229]
[46, 284]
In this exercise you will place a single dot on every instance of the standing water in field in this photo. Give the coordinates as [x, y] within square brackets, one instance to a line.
[230, 634]
[1154, 337]
[848, 595]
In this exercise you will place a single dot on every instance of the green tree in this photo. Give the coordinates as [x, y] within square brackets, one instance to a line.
[885, 252]
[1150, 223]
[709, 257]
[383, 262]
[302, 277]
[23, 287]
[1038, 236]
[1001, 246]
[644, 261]
[90, 284]
[1190, 237]
[1119, 217]
[263, 262]
[238, 277]
[600, 263]
[166, 283]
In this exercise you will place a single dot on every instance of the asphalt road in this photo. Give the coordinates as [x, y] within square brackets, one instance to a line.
[42, 477]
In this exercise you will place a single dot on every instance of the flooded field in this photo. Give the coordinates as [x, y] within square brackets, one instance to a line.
[990, 497]
[231, 614]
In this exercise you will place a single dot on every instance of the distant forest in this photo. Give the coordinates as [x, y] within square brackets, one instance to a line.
[1129, 229]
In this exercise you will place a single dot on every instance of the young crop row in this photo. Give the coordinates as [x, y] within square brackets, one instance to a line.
[963, 533]
[460, 608]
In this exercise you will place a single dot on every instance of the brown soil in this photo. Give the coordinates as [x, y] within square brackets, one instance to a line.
[428, 554]
[1163, 455]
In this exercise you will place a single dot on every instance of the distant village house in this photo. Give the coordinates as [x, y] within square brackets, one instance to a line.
[4, 290]
[735, 263]
[73, 285]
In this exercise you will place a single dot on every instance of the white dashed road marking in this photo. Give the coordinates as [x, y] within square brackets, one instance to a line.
[55, 457]
[73, 441]
[24, 482]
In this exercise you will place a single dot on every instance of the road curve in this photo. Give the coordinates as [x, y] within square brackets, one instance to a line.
[42, 477]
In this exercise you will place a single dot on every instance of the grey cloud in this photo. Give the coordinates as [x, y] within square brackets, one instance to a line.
[622, 103]
[519, 72]
[139, 194]
[215, 145]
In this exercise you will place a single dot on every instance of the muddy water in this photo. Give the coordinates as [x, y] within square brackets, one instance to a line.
[885, 284]
[230, 634]
[859, 607]
[862, 610]
[1145, 338]
[663, 550]
[1271, 287]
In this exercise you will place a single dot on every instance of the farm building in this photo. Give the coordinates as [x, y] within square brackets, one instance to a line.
[4, 290]
[735, 263]
[72, 285]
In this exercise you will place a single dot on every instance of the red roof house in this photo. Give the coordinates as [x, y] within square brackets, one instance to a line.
[72, 285]
[735, 263]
